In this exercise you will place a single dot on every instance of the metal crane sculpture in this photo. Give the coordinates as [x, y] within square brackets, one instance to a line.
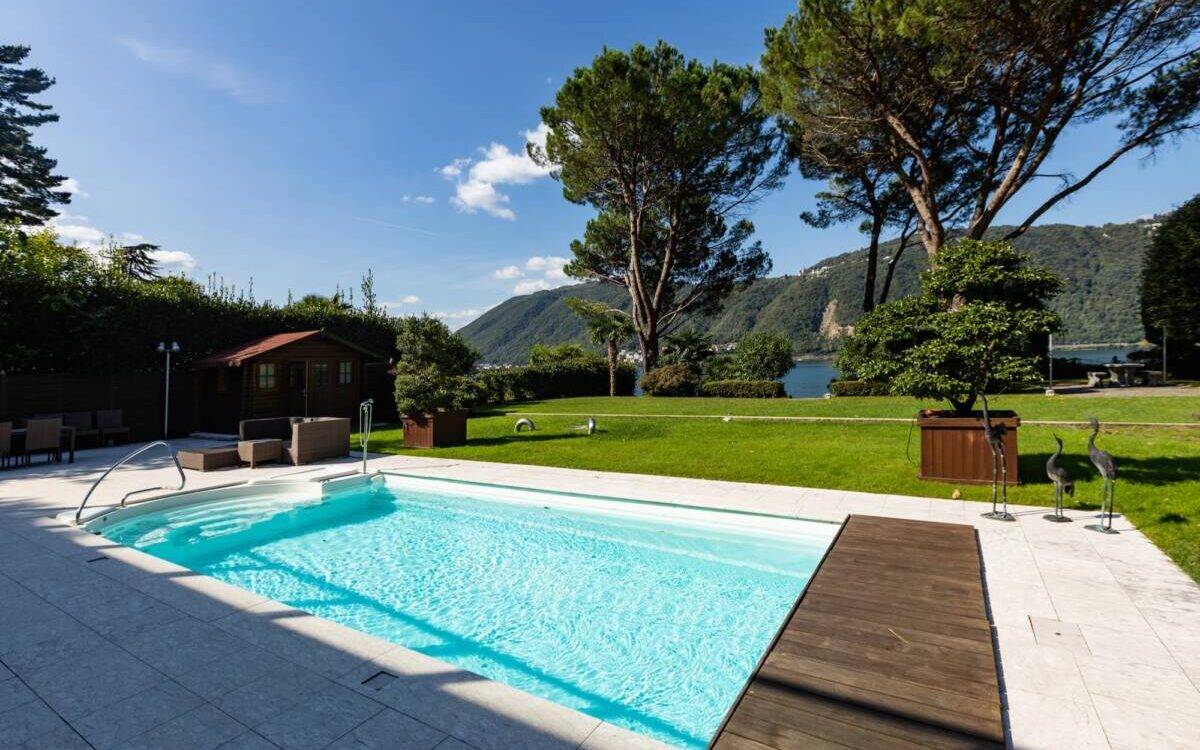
[994, 434]
[525, 422]
[1063, 483]
[1107, 466]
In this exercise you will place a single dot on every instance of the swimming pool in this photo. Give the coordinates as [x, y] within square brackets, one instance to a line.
[644, 616]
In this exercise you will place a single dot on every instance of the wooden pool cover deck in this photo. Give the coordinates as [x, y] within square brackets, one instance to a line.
[889, 646]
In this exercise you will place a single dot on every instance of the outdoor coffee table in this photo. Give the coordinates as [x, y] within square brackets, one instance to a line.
[255, 452]
[207, 459]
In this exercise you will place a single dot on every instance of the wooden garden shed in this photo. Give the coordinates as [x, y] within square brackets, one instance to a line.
[299, 374]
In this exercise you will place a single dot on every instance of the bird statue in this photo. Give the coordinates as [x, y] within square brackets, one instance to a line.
[524, 422]
[591, 426]
[1107, 466]
[994, 434]
[1063, 483]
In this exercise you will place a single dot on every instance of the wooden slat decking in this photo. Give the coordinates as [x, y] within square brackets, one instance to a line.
[888, 647]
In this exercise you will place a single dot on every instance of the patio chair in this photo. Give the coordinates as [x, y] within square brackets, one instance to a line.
[84, 424]
[43, 436]
[110, 423]
[5, 442]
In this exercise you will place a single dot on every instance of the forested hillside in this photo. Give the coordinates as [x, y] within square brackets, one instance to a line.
[1099, 304]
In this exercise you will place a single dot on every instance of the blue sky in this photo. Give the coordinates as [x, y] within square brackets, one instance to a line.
[301, 145]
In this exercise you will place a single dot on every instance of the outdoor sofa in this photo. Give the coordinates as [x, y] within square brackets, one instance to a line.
[305, 439]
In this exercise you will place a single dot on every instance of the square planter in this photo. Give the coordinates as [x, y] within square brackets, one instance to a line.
[435, 429]
[954, 449]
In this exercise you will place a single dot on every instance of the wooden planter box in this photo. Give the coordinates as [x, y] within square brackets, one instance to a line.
[435, 430]
[954, 449]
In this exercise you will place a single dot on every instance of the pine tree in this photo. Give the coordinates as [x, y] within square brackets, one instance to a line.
[28, 185]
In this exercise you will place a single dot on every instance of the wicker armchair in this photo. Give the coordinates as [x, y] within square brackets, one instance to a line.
[5, 442]
[43, 436]
[305, 439]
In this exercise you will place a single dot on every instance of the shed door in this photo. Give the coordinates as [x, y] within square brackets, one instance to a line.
[297, 382]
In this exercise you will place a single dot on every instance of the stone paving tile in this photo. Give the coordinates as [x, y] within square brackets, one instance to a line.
[390, 730]
[1152, 686]
[180, 646]
[1132, 726]
[27, 722]
[319, 719]
[609, 737]
[230, 672]
[1059, 634]
[13, 693]
[59, 738]
[110, 726]
[322, 645]
[91, 680]
[249, 741]
[5, 672]
[203, 728]
[451, 743]
[1052, 723]
[57, 644]
[272, 694]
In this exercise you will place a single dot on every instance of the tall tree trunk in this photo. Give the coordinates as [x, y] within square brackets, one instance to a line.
[891, 269]
[612, 367]
[872, 265]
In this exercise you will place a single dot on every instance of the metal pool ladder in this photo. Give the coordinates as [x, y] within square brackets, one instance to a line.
[366, 415]
[138, 452]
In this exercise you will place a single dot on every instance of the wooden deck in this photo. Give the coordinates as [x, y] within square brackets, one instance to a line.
[888, 647]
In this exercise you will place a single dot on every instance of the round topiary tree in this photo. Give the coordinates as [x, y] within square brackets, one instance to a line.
[432, 383]
[974, 326]
[1170, 303]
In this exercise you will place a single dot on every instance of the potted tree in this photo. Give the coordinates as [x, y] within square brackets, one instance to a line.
[974, 326]
[433, 390]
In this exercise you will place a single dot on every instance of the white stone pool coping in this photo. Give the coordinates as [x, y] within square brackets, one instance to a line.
[104, 646]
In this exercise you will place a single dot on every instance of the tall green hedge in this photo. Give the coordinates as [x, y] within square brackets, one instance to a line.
[580, 377]
[61, 310]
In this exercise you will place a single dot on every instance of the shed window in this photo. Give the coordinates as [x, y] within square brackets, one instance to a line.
[321, 374]
[345, 373]
[266, 376]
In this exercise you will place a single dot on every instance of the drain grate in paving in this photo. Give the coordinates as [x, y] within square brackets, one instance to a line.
[380, 680]
[97, 559]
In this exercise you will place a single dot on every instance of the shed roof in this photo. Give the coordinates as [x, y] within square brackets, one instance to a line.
[237, 355]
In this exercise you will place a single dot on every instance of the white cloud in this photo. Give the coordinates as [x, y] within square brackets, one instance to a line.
[215, 73]
[426, 199]
[458, 318]
[71, 185]
[497, 165]
[540, 272]
[174, 261]
[528, 286]
[408, 299]
[76, 230]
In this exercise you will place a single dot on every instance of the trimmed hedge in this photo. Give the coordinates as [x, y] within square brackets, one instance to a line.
[583, 377]
[743, 389]
[671, 380]
[858, 388]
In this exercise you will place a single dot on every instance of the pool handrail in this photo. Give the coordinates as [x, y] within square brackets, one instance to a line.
[133, 454]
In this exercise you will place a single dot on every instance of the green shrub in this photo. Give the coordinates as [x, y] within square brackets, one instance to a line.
[722, 367]
[763, 356]
[671, 380]
[548, 354]
[578, 377]
[743, 389]
[431, 373]
[858, 388]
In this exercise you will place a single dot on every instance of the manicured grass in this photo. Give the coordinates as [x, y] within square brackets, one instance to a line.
[1029, 406]
[1159, 467]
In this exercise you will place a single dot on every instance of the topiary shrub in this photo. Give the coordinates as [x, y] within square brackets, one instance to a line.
[743, 389]
[858, 388]
[671, 380]
[431, 373]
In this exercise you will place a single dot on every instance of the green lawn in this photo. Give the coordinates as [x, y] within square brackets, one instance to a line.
[1159, 467]
[1029, 406]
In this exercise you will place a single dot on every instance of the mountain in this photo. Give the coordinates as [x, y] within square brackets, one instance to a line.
[1099, 303]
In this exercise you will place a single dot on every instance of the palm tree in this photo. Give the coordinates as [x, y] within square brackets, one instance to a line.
[689, 347]
[606, 326]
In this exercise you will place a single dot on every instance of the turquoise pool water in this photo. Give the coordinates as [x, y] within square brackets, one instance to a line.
[650, 625]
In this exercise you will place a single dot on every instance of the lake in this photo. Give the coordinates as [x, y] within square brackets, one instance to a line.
[810, 378]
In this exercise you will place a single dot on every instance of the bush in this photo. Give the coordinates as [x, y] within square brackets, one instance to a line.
[671, 380]
[548, 354]
[431, 373]
[579, 377]
[858, 388]
[763, 356]
[743, 389]
[722, 367]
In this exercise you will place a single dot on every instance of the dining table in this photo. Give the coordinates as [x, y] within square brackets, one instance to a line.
[1123, 372]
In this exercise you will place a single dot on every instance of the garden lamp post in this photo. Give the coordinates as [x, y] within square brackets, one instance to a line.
[168, 350]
